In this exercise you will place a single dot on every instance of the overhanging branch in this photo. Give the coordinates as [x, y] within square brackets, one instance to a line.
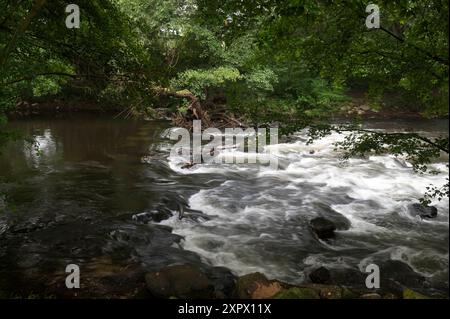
[428, 54]
[399, 134]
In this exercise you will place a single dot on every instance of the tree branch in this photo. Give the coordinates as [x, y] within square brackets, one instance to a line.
[428, 54]
[410, 135]
[37, 6]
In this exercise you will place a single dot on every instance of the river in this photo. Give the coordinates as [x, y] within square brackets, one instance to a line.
[72, 189]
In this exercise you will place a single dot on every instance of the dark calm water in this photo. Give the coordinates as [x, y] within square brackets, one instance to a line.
[70, 187]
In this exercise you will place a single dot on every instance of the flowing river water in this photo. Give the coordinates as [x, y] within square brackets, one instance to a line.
[79, 190]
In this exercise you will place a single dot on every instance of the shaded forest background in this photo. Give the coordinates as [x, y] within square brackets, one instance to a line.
[230, 62]
[257, 60]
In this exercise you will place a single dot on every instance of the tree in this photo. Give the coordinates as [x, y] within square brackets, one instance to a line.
[235, 62]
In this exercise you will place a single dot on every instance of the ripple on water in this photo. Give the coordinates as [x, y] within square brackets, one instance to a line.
[260, 217]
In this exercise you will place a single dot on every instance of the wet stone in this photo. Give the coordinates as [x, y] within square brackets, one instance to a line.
[320, 276]
[323, 227]
[256, 286]
[180, 281]
[395, 274]
[424, 211]
[154, 216]
[29, 226]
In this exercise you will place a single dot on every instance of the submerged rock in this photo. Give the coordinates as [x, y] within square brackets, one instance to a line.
[424, 211]
[179, 281]
[340, 221]
[323, 227]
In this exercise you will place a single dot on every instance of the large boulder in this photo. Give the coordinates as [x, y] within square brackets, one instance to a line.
[424, 211]
[343, 277]
[256, 286]
[351, 277]
[395, 275]
[320, 275]
[340, 221]
[322, 227]
[180, 281]
[224, 281]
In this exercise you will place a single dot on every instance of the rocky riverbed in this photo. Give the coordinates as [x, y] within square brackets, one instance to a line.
[140, 259]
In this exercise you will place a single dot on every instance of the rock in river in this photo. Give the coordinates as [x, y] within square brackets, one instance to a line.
[320, 275]
[323, 227]
[256, 286]
[153, 216]
[191, 281]
[179, 281]
[424, 211]
[395, 274]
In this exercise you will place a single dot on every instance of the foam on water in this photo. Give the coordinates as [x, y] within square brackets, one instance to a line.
[259, 217]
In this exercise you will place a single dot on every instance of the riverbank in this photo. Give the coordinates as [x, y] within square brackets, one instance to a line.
[356, 108]
[32, 109]
[140, 258]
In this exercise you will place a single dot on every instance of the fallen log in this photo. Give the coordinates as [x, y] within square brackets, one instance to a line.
[194, 103]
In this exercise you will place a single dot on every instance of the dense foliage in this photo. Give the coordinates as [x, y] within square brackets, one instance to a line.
[297, 56]
[257, 62]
